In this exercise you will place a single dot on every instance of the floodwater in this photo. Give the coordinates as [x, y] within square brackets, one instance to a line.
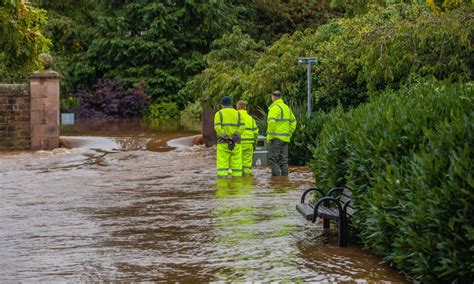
[127, 134]
[87, 214]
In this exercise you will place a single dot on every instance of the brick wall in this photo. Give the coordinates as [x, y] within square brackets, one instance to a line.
[15, 127]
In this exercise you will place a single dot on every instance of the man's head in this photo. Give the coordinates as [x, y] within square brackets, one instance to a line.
[226, 101]
[276, 95]
[241, 105]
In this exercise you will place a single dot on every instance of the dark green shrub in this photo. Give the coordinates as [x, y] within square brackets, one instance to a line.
[409, 158]
[305, 135]
[329, 151]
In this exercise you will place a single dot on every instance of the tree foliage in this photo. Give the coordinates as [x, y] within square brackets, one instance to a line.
[384, 48]
[21, 39]
[160, 44]
[269, 20]
[357, 7]
[446, 5]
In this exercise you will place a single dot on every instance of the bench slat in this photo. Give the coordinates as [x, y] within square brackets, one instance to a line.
[323, 212]
[349, 211]
[306, 210]
[328, 213]
[345, 195]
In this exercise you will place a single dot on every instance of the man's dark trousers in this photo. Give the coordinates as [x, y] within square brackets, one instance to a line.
[279, 157]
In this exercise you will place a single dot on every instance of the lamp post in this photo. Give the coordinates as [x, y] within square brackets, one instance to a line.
[308, 61]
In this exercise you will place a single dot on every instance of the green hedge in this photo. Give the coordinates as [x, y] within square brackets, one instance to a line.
[409, 157]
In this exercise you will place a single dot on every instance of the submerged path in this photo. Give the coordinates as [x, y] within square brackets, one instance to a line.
[83, 215]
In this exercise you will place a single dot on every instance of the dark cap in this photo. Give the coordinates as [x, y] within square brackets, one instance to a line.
[226, 101]
[276, 94]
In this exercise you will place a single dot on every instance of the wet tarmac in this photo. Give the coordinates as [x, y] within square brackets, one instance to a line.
[112, 215]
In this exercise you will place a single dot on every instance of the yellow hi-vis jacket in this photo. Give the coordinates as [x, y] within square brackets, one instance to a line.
[250, 134]
[281, 122]
[228, 121]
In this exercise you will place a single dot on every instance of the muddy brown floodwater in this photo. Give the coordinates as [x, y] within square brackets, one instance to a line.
[94, 215]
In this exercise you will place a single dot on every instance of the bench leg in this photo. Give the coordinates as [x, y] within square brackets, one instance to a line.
[346, 231]
[326, 224]
[326, 221]
[340, 231]
[343, 232]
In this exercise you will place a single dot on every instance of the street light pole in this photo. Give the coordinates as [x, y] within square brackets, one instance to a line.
[308, 78]
[308, 61]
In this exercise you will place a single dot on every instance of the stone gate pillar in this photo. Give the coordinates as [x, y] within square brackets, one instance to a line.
[44, 94]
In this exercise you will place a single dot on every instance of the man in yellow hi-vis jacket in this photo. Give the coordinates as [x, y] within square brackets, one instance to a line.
[249, 137]
[229, 127]
[281, 123]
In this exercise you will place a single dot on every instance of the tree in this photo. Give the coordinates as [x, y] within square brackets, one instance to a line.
[268, 20]
[384, 48]
[21, 38]
[156, 43]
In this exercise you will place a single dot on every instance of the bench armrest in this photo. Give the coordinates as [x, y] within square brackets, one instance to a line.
[338, 190]
[309, 190]
[326, 200]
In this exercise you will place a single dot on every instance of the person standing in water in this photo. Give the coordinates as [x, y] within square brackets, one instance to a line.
[229, 127]
[249, 137]
[281, 123]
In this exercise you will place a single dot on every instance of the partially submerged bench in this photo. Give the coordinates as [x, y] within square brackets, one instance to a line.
[333, 205]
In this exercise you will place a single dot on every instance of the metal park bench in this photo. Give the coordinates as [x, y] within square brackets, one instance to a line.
[333, 205]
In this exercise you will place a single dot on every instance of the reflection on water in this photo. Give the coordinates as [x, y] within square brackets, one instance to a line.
[251, 237]
[82, 215]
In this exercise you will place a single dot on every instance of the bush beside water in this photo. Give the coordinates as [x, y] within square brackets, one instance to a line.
[192, 112]
[408, 156]
[162, 110]
[110, 99]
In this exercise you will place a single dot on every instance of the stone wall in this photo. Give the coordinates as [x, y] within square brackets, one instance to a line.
[15, 127]
[29, 113]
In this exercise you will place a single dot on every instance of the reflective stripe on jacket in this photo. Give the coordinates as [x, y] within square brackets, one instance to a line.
[250, 134]
[281, 122]
[228, 121]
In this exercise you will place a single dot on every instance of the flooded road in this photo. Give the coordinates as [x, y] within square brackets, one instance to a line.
[92, 215]
[127, 134]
